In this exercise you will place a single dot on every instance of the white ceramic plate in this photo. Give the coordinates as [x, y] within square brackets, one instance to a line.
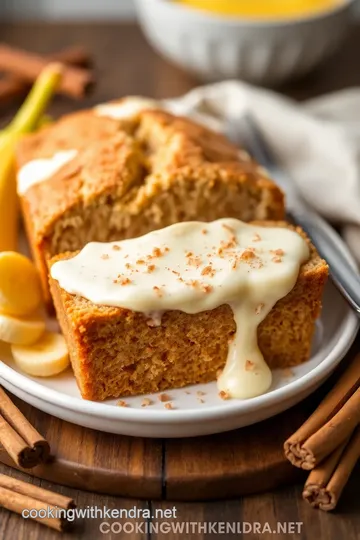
[193, 414]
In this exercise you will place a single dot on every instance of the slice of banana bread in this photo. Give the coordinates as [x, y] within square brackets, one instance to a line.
[130, 176]
[114, 352]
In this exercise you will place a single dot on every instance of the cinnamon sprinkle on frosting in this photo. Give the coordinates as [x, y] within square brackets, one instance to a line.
[207, 288]
[247, 255]
[158, 290]
[208, 271]
[249, 365]
[279, 252]
[123, 280]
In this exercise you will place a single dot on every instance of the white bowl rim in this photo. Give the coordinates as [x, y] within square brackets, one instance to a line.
[209, 16]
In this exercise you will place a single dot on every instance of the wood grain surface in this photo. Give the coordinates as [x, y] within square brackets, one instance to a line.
[87, 459]
[240, 462]
[127, 65]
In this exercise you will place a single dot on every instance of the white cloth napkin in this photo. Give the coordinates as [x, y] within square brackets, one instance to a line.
[316, 142]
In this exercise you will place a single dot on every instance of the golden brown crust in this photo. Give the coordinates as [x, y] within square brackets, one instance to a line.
[106, 153]
[110, 165]
[133, 176]
[76, 130]
[115, 353]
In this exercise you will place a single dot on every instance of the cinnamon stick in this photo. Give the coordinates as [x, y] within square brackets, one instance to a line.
[76, 55]
[19, 438]
[36, 492]
[22, 454]
[303, 449]
[18, 496]
[76, 82]
[334, 432]
[326, 482]
[12, 87]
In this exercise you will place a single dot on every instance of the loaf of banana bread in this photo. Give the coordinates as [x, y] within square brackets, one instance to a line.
[98, 177]
[116, 352]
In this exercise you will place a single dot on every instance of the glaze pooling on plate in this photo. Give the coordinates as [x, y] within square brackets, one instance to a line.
[195, 267]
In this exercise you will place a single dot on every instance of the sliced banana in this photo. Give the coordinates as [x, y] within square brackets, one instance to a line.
[20, 292]
[21, 330]
[48, 356]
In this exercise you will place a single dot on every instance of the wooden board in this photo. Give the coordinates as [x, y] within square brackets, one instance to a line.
[232, 464]
[240, 462]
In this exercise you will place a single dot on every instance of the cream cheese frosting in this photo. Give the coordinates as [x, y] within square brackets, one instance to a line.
[38, 170]
[194, 267]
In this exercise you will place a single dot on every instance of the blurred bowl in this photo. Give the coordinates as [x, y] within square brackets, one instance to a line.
[261, 51]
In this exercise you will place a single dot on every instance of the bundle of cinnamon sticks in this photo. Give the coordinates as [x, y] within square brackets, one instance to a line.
[19, 438]
[28, 449]
[328, 443]
[21, 68]
[46, 507]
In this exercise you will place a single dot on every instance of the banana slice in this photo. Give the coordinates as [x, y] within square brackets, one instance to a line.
[48, 356]
[20, 292]
[20, 331]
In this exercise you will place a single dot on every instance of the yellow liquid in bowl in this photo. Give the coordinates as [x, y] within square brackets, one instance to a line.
[266, 9]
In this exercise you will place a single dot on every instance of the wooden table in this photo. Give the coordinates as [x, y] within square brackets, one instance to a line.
[127, 65]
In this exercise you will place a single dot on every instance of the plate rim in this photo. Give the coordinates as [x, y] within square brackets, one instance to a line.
[347, 331]
[98, 409]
